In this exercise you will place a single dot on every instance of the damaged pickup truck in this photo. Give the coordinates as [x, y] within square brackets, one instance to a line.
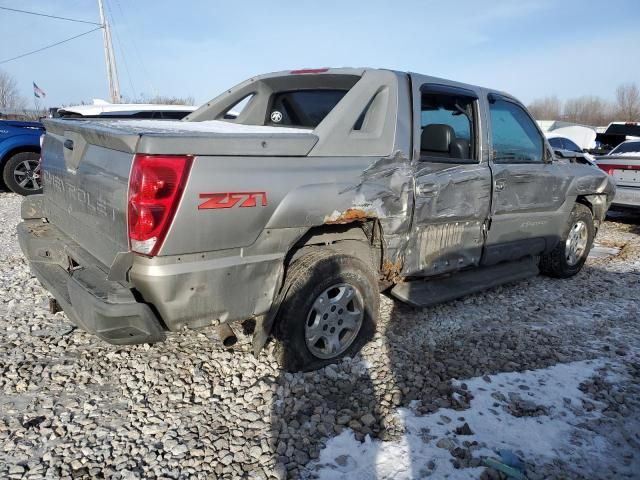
[322, 189]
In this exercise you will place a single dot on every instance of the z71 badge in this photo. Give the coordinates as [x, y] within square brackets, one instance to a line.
[231, 199]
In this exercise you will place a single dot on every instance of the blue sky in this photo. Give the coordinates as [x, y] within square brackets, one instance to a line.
[198, 48]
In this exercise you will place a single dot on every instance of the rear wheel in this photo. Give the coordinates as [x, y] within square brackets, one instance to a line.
[21, 173]
[329, 310]
[571, 252]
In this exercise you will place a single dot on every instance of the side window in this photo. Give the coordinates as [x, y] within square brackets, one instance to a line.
[174, 115]
[556, 142]
[514, 136]
[234, 112]
[448, 129]
[569, 145]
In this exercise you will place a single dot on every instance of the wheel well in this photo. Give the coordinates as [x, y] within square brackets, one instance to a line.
[361, 239]
[16, 150]
[11, 153]
[583, 200]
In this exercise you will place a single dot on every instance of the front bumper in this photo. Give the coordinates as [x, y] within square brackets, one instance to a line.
[95, 304]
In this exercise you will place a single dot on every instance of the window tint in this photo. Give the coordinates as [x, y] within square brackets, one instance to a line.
[303, 108]
[447, 127]
[556, 142]
[515, 137]
[174, 115]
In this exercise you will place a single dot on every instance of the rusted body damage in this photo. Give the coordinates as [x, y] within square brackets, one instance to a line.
[349, 216]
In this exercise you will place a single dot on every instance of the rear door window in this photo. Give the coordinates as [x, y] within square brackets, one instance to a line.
[302, 108]
[447, 128]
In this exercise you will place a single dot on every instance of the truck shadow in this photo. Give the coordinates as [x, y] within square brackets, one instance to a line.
[630, 217]
[412, 363]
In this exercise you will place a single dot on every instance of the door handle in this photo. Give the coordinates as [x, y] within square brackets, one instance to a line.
[68, 144]
[427, 189]
[499, 185]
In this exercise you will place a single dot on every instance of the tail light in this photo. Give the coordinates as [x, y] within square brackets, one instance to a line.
[609, 168]
[307, 71]
[155, 188]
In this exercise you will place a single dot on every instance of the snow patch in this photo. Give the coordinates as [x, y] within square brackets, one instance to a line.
[208, 126]
[550, 426]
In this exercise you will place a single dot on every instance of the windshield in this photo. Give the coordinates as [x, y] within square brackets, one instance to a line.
[627, 147]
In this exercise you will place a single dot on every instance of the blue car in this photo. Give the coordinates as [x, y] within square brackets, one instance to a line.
[20, 156]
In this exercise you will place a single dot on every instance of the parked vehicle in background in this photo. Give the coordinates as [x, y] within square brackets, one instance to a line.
[614, 134]
[20, 156]
[329, 186]
[562, 143]
[102, 109]
[623, 164]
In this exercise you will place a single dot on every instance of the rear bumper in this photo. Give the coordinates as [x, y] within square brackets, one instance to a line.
[95, 304]
[627, 197]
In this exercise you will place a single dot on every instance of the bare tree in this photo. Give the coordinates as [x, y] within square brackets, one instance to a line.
[10, 98]
[628, 102]
[547, 108]
[588, 110]
[162, 100]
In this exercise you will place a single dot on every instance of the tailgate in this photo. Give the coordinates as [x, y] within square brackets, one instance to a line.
[86, 179]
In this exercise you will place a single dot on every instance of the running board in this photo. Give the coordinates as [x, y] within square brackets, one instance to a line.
[424, 293]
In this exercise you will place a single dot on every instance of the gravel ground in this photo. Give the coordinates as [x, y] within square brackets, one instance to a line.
[72, 406]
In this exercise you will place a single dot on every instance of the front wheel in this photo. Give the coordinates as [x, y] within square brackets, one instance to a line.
[568, 257]
[329, 311]
[21, 173]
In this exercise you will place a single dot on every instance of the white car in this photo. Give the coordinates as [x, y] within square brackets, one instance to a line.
[623, 164]
[559, 142]
[102, 109]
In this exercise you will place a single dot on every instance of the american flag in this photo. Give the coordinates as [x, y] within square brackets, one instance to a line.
[37, 91]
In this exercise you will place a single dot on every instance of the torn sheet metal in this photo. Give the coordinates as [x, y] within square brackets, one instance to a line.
[384, 192]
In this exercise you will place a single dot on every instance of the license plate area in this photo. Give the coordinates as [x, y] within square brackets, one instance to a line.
[627, 176]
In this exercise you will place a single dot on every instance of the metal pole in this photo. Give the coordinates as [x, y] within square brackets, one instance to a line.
[112, 72]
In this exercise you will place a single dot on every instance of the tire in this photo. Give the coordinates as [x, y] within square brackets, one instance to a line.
[559, 263]
[28, 181]
[349, 289]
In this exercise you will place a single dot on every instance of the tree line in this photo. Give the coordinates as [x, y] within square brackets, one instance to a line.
[590, 109]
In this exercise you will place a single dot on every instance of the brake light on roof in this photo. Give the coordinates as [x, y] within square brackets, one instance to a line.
[307, 71]
[155, 189]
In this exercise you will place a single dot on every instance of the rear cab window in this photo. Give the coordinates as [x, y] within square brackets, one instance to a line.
[302, 108]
